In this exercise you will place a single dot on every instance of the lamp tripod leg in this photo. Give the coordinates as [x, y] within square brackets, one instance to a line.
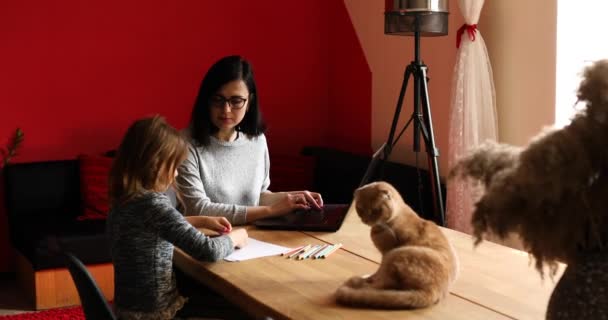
[391, 136]
[422, 124]
[431, 149]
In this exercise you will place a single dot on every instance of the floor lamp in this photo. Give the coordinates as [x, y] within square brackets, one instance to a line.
[418, 18]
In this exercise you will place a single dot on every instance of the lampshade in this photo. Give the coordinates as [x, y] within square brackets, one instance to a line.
[403, 17]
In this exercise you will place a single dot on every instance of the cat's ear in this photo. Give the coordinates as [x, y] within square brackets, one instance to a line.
[386, 194]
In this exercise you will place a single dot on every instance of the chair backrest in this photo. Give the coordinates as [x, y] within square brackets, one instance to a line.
[94, 303]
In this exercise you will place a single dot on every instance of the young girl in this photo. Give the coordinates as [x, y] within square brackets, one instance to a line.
[144, 226]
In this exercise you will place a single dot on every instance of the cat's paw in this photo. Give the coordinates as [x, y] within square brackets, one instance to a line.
[357, 282]
[343, 293]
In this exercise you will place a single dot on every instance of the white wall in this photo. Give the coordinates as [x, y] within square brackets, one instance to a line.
[581, 26]
[387, 57]
[521, 40]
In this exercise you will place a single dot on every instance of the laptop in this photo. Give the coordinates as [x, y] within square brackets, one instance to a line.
[329, 218]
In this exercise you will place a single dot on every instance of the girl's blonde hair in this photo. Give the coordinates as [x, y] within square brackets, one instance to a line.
[146, 160]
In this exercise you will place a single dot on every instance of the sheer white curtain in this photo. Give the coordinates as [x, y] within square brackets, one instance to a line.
[473, 114]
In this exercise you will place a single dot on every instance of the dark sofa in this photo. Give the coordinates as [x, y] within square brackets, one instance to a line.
[43, 201]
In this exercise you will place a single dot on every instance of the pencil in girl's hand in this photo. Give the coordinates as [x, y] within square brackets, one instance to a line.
[290, 252]
[295, 254]
[334, 249]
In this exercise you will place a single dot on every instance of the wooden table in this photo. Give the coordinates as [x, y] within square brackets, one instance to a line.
[497, 277]
[495, 282]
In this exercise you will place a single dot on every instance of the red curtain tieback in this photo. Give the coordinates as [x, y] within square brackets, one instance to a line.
[470, 28]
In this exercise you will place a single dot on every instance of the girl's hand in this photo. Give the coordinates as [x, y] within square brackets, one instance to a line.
[218, 224]
[313, 199]
[239, 237]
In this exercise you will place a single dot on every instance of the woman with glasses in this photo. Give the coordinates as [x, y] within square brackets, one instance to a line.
[227, 170]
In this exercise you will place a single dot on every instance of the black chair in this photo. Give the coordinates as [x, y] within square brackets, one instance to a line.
[94, 304]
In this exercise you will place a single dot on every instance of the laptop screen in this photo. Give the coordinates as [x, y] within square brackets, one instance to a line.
[377, 159]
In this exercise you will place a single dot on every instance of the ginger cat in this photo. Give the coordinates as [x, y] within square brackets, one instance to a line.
[418, 263]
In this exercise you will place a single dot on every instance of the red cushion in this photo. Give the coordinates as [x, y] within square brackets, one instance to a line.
[94, 173]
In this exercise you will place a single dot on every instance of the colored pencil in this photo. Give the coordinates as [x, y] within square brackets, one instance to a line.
[311, 253]
[295, 254]
[322, 254]
[292, 251]
[305, 254]
[321, 248]
[325, 249]
[334, 249]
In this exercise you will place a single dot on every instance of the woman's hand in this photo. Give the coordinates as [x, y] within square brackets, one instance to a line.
[289, 202]
[279, 203]
[312, 198]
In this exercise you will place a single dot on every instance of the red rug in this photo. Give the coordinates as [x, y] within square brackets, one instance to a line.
[72, 313]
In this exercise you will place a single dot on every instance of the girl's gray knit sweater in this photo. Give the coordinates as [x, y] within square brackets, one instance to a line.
[143, 233]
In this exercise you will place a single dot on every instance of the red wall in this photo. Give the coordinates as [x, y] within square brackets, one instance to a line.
[350, 82]
[74, 74]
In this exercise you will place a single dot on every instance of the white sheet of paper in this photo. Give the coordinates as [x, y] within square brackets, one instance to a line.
[256, 249]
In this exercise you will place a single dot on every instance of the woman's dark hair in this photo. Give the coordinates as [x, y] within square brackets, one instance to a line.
[225, 70]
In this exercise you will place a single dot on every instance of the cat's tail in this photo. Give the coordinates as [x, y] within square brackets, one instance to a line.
[386, 298]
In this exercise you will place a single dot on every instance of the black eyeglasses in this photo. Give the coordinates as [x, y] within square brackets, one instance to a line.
[234, 102]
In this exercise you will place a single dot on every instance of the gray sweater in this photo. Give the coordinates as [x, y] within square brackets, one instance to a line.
[142, 234]
[223, 178]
